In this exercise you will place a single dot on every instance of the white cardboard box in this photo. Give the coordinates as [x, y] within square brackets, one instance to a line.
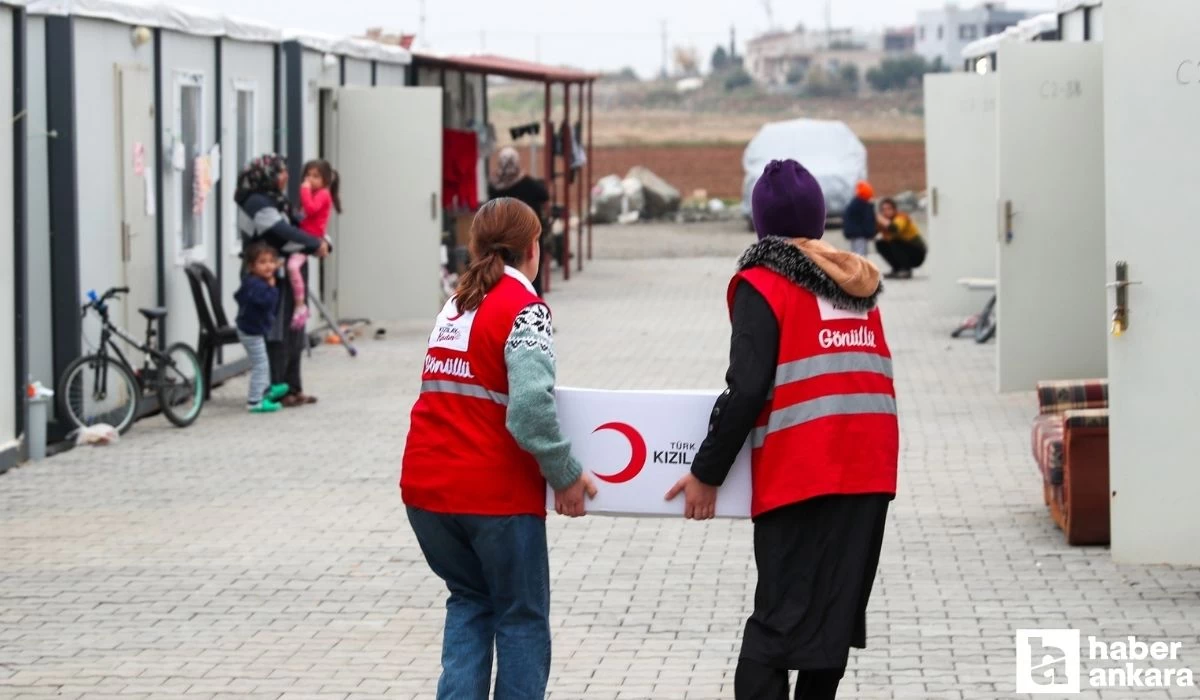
[637, 444]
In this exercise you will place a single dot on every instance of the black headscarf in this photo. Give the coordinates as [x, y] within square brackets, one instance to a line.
[261, 176]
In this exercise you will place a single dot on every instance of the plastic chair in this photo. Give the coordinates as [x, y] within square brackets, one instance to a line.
[215, 329]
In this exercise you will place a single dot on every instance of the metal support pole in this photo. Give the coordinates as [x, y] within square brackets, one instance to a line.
[566, 146]
[548, 127]
[591, 159]
[582, 183]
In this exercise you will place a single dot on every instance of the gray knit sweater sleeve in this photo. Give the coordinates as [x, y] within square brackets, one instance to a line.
[532, 417]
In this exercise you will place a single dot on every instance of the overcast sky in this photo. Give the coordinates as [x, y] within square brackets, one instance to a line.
[592, 34]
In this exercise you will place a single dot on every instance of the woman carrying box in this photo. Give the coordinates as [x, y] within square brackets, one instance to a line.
[810, 383]
[483, 442]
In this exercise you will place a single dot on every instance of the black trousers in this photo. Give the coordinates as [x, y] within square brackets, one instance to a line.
[286, 352]
[901, 255]
[754, 681]
[285, 360]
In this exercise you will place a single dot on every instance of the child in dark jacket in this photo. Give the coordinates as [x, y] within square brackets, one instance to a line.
[258, 300]
[858, 223]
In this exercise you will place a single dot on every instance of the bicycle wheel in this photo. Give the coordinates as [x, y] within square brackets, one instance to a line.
[98, 389]
[181, 386]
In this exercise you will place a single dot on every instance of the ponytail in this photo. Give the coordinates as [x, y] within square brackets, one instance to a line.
[478, 280]
[502, 233]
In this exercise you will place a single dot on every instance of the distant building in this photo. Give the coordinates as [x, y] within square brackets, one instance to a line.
[770, 58]
[779, 58]
[942, 33]
[902, 40]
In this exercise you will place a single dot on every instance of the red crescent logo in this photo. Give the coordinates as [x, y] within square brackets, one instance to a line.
[637, 446]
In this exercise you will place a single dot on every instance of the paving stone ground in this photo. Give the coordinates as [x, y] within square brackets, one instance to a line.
[269, 557]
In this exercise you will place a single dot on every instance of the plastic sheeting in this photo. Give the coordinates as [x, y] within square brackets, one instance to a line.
[165, 15]
[348, 46]
[828, 149]
[1025, 30]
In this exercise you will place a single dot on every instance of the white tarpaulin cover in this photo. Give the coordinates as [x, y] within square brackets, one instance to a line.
[189, 20]
[828, 149]
[348, 46]
[136, 13]
[637, 444]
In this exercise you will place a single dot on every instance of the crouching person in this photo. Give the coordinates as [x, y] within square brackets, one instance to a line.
[810, 382]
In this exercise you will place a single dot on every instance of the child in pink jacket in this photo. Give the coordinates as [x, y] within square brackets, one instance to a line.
[318, 196]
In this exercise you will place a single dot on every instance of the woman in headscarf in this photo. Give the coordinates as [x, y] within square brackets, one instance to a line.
[511, 181]
[264, 213]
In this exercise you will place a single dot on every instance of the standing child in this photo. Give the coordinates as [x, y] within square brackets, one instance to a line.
[318, 195]
[858, 223]
[257, 300]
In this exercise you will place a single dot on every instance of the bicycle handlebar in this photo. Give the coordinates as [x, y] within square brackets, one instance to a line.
[97, 302]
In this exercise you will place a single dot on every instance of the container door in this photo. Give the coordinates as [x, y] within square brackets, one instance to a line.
[389, 234]
[960, 161]
[1050, 154]
[1152, 97]
[138, 160]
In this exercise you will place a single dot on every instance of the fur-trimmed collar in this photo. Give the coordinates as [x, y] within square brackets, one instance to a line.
[782, 256]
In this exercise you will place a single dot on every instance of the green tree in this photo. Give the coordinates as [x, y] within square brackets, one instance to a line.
[720, 59]
[738, 79]
[849, 77]
[897, 73]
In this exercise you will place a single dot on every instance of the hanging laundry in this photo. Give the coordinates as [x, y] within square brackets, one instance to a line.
[460, 168]
[139, 159]
[486, 135]
[578, 154]
[530, 129]
[201, 185]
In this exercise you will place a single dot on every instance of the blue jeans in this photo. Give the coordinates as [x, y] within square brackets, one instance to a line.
[498, 572]
[260, 367]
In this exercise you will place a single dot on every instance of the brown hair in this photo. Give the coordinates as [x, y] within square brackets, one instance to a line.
[256, 250]
[330, 176]
[502, 233]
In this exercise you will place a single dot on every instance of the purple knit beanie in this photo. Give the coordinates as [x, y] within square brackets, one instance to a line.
[788, 202]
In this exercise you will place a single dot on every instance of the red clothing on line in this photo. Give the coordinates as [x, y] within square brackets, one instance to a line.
[317, 206]
[460, 169]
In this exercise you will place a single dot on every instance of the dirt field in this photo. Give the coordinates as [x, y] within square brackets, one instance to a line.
[695, 140]
[893, 166]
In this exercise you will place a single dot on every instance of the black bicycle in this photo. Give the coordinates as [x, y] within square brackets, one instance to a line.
[104, 387]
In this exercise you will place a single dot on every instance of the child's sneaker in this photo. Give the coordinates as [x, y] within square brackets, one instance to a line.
[265, 406]
[276, 392]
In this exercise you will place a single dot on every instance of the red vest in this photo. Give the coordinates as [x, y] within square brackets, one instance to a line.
[460, 457]
[830, 425]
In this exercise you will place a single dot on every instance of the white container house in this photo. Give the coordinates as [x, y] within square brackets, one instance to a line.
[12, 231]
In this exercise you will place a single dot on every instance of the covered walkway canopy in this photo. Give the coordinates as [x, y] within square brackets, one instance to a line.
[561, 185]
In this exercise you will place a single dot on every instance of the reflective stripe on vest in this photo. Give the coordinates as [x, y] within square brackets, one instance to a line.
[442, 386]
[836, 363]
[824, 407]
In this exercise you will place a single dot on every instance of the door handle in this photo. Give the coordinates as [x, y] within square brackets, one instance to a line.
[1120, 317]
[1008, 221]
[934, 201]
[433, 205]
[125, 256]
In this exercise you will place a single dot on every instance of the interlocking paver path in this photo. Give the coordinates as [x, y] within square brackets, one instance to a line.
[268, 556]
